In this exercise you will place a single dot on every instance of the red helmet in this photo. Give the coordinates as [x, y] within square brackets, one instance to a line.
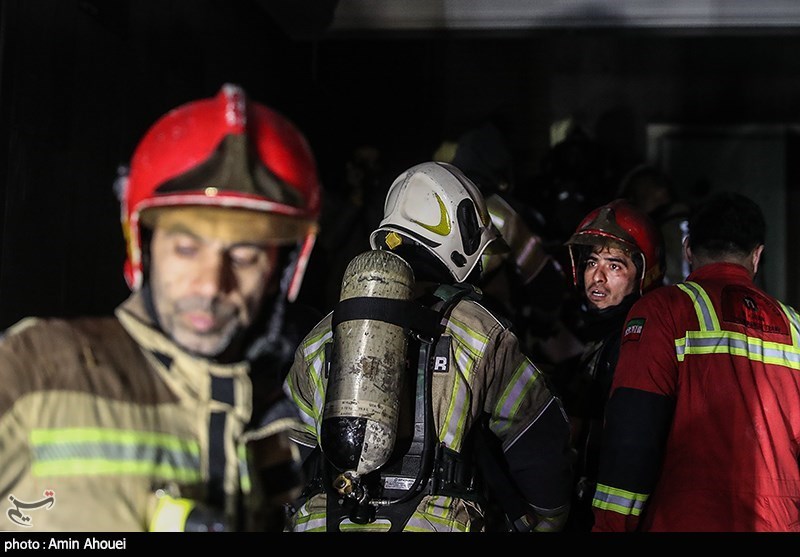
[623, 225]
[224, 151]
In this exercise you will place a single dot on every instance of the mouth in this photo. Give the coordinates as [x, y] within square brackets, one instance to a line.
[596, 294]
[201, 322]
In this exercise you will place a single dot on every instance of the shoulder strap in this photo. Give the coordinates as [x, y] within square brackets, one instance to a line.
[408, 314]
[452, 293]
[424, 318]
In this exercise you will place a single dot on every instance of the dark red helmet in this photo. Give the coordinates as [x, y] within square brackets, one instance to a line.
[623, 225]
[225, 151]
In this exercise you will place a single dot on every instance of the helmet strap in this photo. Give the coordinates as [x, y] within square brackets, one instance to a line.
[276, 310]
[149, 304]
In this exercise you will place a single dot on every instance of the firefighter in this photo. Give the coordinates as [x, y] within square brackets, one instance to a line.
[617, 254]
[410, 376]
[169, 415]
[704, 413]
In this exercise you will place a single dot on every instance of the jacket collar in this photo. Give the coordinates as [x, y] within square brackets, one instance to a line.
[728, 272]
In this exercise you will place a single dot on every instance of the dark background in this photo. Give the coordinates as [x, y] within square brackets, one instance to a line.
[81, 81]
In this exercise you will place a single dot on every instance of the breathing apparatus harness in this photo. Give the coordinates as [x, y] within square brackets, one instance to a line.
[421, 467]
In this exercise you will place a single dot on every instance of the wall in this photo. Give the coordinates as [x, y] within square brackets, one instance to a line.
[81, 81]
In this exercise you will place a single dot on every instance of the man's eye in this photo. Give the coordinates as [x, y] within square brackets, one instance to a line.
[185, 249]
[244, 257]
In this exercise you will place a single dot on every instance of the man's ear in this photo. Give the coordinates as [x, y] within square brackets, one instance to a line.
[755, 257]
[687, 251]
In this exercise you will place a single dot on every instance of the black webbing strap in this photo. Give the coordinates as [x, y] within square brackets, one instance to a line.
[454, 479]
[408, 314]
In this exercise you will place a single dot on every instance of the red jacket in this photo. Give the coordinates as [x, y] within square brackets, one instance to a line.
[703, 422]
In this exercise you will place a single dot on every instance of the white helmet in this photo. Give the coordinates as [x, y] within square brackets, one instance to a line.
[436, 206]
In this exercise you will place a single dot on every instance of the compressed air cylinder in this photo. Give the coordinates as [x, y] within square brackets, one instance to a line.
[368, 364]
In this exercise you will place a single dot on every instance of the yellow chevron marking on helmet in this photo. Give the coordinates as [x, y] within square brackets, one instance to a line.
[443, 227]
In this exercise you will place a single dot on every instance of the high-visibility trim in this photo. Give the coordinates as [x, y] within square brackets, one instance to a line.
[620, 501]
[244, 469]
[171, 514]
[525, 377]
[455, 420]
[706, 315]
[94, 451]
[426, 523]
[712, 339]
[316, 521]
[379, 525]
[315, 344]
[314, 355]
[738, 344]
[794, 322]
[436, 516]
[475, 341]
[438, 506]
[467, 348]
[305, 412]
[309, 522]
[316, 371]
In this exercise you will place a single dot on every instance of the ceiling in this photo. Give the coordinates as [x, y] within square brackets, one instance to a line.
[351, 15]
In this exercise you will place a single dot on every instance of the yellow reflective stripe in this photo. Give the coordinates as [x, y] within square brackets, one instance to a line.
[438, 505]
[706, 316]
[794, 322]
[316, 372]
[59, 436]
[306, 412]
[452, 432]
[244, 469]
[426, 523]
[619, 500]
[87, 451]
[314, 345]
[314, 357]
[680, 348]
[507, 406]
[171, 514]
[470, 338]
[468, 345]
[379, 525]
[711, 339]
[436, 516]
[308, 522]
[738, 344]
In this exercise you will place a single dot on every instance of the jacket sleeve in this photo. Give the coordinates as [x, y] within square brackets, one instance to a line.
[540, 461]
[21, 374]
[636, 427]
[637, 418]
[305, 383]
[534, 431]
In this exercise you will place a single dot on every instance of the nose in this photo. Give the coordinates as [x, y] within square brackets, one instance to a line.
[212, 275]
[598, 275]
